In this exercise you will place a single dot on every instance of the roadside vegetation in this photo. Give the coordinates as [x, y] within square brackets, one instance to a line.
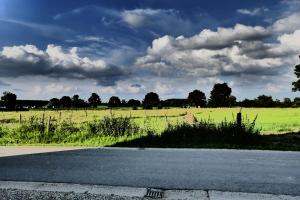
[175, 129]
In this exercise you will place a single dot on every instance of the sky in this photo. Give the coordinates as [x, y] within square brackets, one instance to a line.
[51, 48]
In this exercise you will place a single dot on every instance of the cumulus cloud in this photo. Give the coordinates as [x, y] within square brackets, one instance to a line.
[226, 51]
[28, 60]
[287, 24]
[254, 12]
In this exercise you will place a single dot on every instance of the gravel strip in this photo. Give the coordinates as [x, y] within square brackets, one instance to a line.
[14, 194]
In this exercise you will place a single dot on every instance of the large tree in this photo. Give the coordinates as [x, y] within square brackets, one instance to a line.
[77, 102]
[197, 98]
[220, 95]
[10, 100]
[114, 102]
[94, 100]
[54, 103]
[264, 101]
[133, 103]
[296, 84]
[287, 102]
[66, 102]
[151, 100]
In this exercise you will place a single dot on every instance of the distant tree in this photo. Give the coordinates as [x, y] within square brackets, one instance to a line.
[220, 95]
[296, 102]
[197, 98]
[247, 103]
[296, 84]
[114, 102]
[66, 102]
[232, 101]
[133, 103]
[94, 100]
[151, 100]
[277, 103]
[54, 103]
[123, 102]
[264, 101]
[287, 102]
[10, 100]
[175, 103]
[77, 102]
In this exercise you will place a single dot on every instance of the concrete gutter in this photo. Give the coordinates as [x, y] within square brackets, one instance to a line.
[15, 190]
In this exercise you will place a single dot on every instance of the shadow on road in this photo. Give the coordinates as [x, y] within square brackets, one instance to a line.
[285, 142]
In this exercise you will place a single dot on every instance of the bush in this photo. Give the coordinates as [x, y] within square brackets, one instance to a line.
[113, 126]
[2, 132]
[206, 132]
[63, 130]
[34, 124]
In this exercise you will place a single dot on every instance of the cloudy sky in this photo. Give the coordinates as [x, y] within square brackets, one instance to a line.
[50, 48]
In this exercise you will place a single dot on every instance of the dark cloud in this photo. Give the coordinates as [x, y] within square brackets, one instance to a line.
[58, 64]
[136, 85]
[2, 83]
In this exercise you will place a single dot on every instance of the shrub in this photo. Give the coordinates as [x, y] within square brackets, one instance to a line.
[2, 132]
[34, 124]
[113, 126]
[205, 132]
[64, 130]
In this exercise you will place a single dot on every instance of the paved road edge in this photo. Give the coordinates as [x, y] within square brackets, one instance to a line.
[132, 192]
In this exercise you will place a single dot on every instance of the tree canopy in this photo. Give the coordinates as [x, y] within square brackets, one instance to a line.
[197, 98]
[220, 95]
[114, 102]
[10, 100]
[151, 100]
[296, 84]
[94, 100]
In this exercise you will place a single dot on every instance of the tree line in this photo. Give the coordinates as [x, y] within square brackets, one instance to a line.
[220, 96]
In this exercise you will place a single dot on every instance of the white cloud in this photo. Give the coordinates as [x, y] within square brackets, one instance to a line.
[288, 24]
[137, 17]
[134, 18]
[58, 88]
[56, 62]
[227, 51]
[161, 88]
[209, 39]
[254, 12]
[275, 88]
[291, 40]
[28, 53]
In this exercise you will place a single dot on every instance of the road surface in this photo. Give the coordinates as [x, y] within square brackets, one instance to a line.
[271, 172]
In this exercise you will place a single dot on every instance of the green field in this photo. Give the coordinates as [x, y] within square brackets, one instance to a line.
[269, 120]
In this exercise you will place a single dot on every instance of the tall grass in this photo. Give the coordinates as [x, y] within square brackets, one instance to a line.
[207, 132]
[113, 126]
[37, 130]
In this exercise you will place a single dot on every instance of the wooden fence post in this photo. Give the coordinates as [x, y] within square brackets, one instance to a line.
[48, 125]
[239, 119]
[20, 119]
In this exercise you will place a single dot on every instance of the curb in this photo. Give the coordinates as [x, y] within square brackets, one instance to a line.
[137, 193]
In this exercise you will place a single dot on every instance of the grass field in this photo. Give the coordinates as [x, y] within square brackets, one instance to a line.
[269, 120]
[126, 127]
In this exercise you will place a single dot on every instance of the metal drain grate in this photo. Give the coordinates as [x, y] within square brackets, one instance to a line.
[154, 193]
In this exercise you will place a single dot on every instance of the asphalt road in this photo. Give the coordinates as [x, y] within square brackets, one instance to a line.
[225, 170]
